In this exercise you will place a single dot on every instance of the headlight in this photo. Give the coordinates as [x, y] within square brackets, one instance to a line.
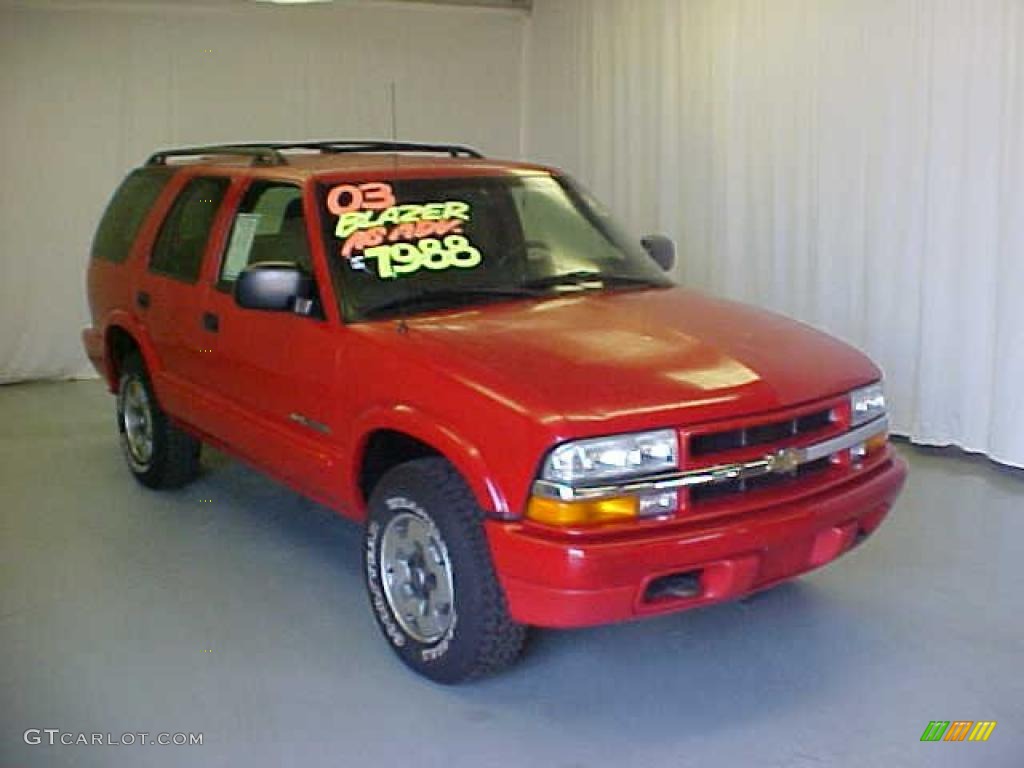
[866, 403]
[601, 459]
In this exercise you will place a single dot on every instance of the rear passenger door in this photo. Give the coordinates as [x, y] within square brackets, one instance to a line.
[274, 372]
[169, 295]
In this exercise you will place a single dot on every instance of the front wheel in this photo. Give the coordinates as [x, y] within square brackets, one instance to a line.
[430, 579]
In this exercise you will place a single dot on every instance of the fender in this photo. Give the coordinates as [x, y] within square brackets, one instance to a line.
[119, 318]
[463, 455]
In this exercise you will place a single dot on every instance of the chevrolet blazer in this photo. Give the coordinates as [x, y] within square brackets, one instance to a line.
[534, 424]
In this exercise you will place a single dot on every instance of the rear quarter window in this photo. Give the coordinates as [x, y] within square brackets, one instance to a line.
[125, 213]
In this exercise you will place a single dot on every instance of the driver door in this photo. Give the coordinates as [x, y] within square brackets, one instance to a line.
[274, 372]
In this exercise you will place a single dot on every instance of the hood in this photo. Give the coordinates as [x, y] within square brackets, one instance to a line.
[640, 358]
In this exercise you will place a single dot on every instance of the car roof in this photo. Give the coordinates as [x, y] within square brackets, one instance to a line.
[304, 164]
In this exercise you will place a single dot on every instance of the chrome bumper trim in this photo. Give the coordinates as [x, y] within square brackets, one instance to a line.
[779, 462]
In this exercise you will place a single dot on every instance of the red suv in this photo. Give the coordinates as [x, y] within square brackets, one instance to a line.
[534, 424]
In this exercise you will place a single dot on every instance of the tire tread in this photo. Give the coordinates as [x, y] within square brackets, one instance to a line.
[498, 640]
[503, 638]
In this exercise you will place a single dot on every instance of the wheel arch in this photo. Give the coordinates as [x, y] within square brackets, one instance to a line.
[393, 436]
[120, 336]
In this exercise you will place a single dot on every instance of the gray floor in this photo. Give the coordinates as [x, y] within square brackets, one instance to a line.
[234, 608]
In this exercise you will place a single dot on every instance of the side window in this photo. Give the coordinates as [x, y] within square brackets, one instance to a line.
[269, 226]
[178, 251]
[125, 213]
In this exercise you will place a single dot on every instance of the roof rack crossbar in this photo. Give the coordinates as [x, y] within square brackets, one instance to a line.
[262, 154]
[269, 153]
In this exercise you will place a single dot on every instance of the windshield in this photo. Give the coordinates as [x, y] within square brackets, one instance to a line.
[416, 245]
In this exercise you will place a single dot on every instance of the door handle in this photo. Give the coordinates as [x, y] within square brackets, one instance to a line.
[142, 299]
[211, 322]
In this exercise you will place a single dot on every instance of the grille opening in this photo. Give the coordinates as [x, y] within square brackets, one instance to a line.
[717, 490]
[730, 440]
[813, 421]
[675, 586]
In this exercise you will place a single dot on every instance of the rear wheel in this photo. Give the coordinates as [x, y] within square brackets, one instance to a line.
[159, 454]
[430, 579]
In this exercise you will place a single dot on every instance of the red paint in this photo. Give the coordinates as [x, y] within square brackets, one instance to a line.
[362, 239]
[368, 238]
[493, 388]
[419, 229]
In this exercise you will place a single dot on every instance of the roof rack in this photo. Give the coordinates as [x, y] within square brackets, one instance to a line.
[455, 150]
[269, 153]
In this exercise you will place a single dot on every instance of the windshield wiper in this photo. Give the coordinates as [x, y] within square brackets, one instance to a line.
[447, 298]
[530, 289]
[582, 277]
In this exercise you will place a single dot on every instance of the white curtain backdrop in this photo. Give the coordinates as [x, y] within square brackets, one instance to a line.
[89, 89]
[857, 164]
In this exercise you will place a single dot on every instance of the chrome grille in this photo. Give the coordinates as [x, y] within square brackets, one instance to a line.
[740, 441]
[718, 490]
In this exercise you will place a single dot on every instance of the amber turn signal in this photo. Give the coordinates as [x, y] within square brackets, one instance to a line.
[593, 512]
[877, 442]
[872, 445]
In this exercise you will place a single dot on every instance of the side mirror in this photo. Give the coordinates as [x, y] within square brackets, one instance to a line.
[661, 249]
[276, 287]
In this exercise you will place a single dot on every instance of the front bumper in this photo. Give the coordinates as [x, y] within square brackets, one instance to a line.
[557, 581]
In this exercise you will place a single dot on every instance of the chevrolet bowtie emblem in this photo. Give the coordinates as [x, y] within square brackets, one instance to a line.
[784, 461]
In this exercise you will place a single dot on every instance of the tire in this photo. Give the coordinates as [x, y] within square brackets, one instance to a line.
[159, 454]
[425, 548]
